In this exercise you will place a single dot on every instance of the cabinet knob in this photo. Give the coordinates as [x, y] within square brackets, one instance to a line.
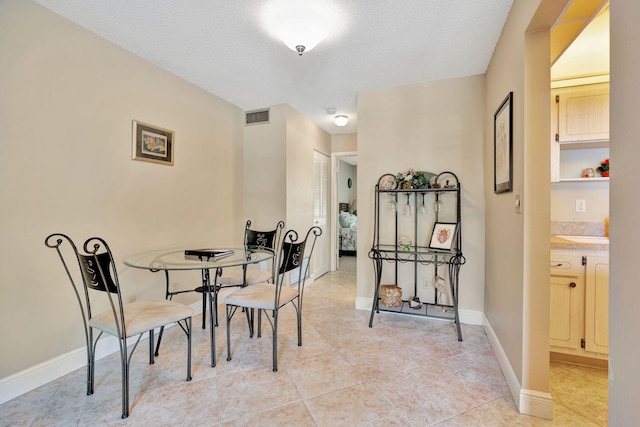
[572, 285]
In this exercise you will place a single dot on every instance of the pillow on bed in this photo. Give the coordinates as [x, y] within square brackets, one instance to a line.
[346, 219]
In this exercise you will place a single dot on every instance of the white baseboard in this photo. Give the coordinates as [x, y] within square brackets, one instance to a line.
[22, 382]
[468, 317]
[529, 402]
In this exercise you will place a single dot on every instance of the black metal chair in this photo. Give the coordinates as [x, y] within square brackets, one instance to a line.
[271, 297]
[253, 239]
[101, 288]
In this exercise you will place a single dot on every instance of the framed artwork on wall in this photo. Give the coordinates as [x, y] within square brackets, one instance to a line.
[503, 147]
[152, 143]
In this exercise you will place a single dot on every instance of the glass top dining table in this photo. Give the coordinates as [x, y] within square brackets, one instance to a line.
[175, 259]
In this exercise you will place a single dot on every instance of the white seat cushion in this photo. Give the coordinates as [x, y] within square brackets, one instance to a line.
[234, 277]
[261, 295]
[142, 316]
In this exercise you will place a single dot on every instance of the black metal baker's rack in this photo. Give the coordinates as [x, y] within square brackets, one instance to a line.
[390, 251]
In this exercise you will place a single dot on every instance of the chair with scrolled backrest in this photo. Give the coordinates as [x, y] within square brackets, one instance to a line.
[100, 287]
[243, 276]
[273, 296]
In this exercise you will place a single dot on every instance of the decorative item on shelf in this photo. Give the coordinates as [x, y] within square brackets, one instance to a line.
[407, 207]
[411, 179]
[588, 173]
[391, 295]
[415, 303]
[604, 168]
[392, 203]
[404, 243]
[423, 207]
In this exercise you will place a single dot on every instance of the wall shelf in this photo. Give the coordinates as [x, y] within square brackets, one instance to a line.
[598, 179]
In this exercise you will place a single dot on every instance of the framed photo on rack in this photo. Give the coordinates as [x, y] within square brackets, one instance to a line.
[443, 235]
[503, 147]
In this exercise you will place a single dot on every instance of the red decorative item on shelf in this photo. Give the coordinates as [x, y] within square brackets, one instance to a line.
[604, 168]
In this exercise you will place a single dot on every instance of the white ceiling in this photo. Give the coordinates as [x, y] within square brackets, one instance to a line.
[225, 48]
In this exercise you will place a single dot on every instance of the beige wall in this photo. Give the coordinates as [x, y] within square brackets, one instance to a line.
[434, 127]
[265, 170]
[347, 172]
[563, 201]
[68, 99]
[278, 175]
[344, 142]
[504, 268]
[624, 289]
[303, 138]
[516, 275]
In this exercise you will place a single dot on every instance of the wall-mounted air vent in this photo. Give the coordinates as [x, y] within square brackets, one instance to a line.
[256, 117]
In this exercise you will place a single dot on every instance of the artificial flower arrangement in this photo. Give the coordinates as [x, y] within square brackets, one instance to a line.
[411, 179]
[604, 167]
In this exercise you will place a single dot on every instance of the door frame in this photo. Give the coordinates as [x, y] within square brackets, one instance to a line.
[333, 242]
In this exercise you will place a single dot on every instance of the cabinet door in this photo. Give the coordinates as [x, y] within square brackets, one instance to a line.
[583, 113]
[566, 302]
[597, 304]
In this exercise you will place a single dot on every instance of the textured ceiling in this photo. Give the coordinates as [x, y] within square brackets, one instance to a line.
[225, 47]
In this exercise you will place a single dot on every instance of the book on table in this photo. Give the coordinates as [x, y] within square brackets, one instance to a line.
[206, 254]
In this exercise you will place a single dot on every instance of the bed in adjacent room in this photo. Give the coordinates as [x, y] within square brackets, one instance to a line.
[348, 232]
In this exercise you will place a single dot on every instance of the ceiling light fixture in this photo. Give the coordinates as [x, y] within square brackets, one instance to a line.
[341, 120]
[301, 29]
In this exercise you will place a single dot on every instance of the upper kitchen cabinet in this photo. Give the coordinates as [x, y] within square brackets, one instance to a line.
[579, 131]
[582, 113]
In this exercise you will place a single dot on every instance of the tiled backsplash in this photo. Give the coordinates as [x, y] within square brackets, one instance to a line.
[572, 228]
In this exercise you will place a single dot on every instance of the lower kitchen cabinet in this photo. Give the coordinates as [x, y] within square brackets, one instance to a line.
[596, 320]
[579, 303]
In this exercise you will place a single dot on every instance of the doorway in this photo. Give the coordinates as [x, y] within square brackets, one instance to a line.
[581, 64]
[344, 190]
[320, 261]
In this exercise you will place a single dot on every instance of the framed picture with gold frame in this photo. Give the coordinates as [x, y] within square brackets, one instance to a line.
[152, 143]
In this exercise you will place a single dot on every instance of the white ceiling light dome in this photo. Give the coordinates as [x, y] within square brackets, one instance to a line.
[341, 120]
[301, 29]
[301, 25]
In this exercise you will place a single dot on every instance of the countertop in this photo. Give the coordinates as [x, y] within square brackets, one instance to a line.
[562, 243]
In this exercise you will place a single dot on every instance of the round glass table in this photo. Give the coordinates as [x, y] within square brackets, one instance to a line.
[198, 259]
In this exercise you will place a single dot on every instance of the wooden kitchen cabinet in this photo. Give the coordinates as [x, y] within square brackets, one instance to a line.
[579, 131]
[583, 113]
[566, 301]
[579, 303]
[597, 304]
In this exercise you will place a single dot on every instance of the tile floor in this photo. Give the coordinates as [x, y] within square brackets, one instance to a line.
[405, 371]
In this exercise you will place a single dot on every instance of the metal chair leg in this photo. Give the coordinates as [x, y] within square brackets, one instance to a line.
[189, 332]
[275, 341]
[228, 314]
[151, 361]
[124, 362]
[204, 310]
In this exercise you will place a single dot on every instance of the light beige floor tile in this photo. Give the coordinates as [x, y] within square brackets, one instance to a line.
[354, 406]
[295, 414]
[405, 370]
[323, 373]
[585, 397]
[252, 391]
